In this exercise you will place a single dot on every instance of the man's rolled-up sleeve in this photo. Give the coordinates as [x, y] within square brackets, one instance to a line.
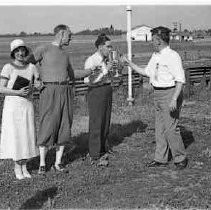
[177, 68]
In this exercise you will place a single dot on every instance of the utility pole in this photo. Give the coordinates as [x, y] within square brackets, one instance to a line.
[130, 98]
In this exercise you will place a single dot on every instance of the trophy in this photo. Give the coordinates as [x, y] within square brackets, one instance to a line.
[113, 57]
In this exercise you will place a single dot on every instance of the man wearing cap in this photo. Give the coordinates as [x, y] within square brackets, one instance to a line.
[55, 108]
[166, 75]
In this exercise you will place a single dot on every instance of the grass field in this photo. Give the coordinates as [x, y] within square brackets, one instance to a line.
[126, 183]
[82, 46]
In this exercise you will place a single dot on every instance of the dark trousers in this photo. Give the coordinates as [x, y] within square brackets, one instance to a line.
[56, 115]
[99, 105]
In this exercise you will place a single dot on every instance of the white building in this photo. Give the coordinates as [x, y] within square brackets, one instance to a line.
[141, 33]
[181, 36]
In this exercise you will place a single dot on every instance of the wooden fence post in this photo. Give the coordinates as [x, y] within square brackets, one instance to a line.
[185, 55]
[187, 88]
[210, 80]
[199, 54]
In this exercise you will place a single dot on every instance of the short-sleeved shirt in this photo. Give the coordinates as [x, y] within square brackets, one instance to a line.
[96, 61]
[54, 64]
[165, 68]
[11, 72]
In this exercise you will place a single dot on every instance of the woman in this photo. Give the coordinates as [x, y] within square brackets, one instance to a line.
[18, 129]
[99, 99]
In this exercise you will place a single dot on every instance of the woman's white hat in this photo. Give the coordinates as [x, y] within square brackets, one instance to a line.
[17, 43]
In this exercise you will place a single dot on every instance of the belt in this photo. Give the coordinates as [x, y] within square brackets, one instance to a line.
[163, 88]
[58, 83]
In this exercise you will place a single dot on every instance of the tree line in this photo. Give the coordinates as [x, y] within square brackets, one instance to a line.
[107, 30]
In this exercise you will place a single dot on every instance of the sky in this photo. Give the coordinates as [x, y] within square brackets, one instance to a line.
[16, 17]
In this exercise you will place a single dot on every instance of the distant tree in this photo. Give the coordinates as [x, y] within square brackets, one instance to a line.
[22, 33]
[174, 29]
[112, 30]
[106, 30]
[36, 33]
[209, 32]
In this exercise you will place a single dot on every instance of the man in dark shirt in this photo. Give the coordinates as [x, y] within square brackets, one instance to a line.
[55, 108]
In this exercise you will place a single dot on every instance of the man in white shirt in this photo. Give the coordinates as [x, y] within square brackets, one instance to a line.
[167, 76]
[99, 100]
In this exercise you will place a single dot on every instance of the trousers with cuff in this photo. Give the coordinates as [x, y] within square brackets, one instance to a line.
[99, 105]
[167, 132]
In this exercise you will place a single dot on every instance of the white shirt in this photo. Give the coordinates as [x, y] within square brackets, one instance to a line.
[165, 68]
[11, 72]
[95, 61]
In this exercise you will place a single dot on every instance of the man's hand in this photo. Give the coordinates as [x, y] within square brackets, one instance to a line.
[109, 66]
[173, 105]
[38, 84]
[125, 60]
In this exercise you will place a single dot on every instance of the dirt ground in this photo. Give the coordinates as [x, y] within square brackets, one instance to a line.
[126, 183]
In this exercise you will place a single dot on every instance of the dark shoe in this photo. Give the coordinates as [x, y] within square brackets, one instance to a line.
[154, 164]
[181, 165]
[42, 170]
[111, 152]
[60, 168]
[103, 161]
[93, 161]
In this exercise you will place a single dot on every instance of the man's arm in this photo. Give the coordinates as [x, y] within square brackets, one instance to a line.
[36, 56]
[135, 67]
[31, 59]
[178, 89]
[178, 72]
[77, 74]
[82, 73]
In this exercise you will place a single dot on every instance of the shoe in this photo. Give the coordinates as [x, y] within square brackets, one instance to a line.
[103, 161]
[26, 174]
[154, 164]
[181, 165]
[19, 175]
[42, 170]
[93, 161]
[60, 168]
[111, 152]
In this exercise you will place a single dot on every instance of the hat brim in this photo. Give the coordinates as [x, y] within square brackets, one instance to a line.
[12, 52]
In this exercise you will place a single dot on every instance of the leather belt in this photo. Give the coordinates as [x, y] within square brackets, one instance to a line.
[163, 88]
[58, 83]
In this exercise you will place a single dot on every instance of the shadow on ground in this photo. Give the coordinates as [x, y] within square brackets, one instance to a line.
[78, 148]
[117, 134]
[40, 199]
[187, 136]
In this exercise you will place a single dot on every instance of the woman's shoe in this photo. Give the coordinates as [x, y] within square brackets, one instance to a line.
[26, 174]
[19, 175]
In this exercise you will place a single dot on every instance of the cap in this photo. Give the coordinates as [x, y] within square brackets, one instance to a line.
[162, 33]
[16, 43]
[160, 30]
